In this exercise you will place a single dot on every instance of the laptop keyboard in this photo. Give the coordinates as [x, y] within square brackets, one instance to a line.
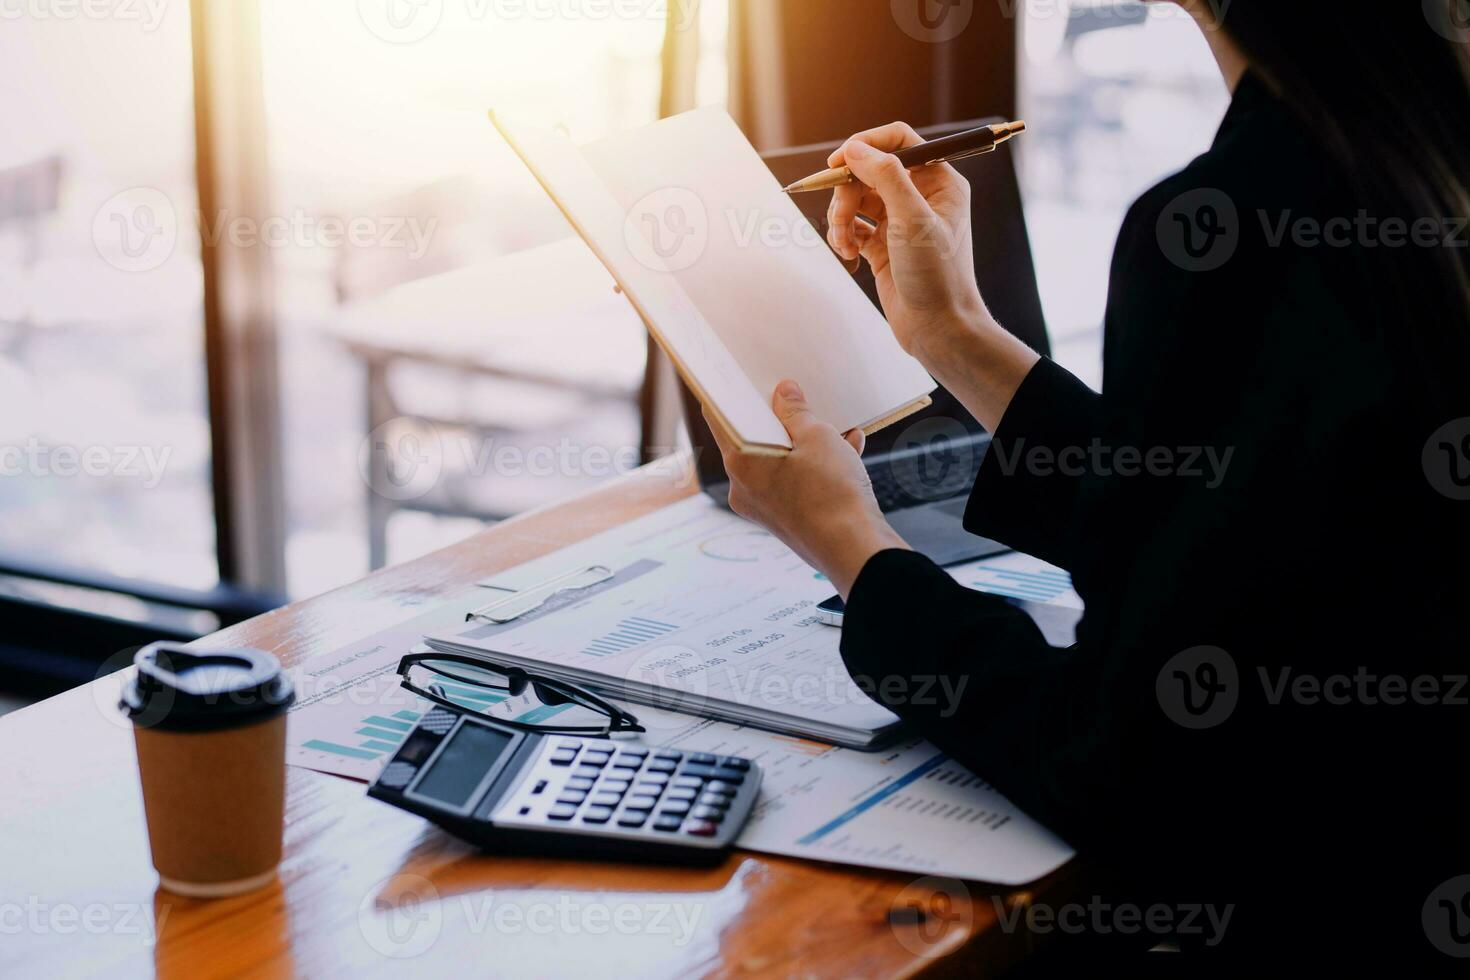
[914, 479]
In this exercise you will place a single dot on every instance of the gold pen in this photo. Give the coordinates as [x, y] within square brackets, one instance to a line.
[947, 150]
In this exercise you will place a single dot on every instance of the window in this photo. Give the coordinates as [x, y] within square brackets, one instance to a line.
[104, 437]
[377, 120]
[1118, 95]
[346, 160]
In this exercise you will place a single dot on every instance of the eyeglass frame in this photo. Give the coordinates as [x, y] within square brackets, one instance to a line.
[619, 722]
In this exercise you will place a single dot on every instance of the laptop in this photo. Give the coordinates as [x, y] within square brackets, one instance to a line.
[924, 466]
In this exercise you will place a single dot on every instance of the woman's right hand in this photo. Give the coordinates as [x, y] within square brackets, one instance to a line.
[921, 251]
[924, 261]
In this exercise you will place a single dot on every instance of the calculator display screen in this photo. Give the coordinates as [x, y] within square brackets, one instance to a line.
[462, 764]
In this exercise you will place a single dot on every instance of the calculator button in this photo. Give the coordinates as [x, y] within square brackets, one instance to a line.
[580, 782]
[652, 789]
[725, 786]
[702, 828]
[703, 758]
[633, 818]
[653, 777]
[668, 755]
[701, 772]
[563, 758]
[708, 813]
[573, 796]
[597, 814]
[596, 761]
[562, 812]
[569, 746]
[674, 808]
[688, 782]
[640, 753]
[732, 776]
[587, 772]
[641, 802]
[716, 800]
[614, 785]
[735, 762]
[624, 762]
[606, 799]
[682, 793]
[662, 765]
[667, 823]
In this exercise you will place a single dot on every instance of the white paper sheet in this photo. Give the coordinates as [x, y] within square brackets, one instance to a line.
[707, 610]
[907, 808]
[766, 281]
[728, 272]
[594, 212]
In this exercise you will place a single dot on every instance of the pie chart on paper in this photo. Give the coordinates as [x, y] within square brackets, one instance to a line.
[744, 546]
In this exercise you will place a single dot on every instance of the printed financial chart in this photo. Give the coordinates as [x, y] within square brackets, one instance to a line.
[710, 609]
[908, 807]
[351, 713]
[1018, 576]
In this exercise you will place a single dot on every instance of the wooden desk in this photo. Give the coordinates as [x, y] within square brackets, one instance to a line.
[78, 895]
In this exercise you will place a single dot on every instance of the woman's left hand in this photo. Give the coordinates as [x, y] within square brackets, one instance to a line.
[818, 498]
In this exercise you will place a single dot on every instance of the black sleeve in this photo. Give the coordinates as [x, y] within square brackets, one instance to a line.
[1027, 492]
[975, 676]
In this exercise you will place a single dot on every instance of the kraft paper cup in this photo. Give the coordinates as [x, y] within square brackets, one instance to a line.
[210, 732]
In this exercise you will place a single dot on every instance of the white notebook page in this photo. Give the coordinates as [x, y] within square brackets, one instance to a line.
[778, 298]
[594, 211]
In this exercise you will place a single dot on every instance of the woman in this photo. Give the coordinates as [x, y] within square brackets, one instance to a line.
[1227, 730]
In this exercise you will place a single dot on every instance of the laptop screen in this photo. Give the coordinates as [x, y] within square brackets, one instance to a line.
[1003, 268]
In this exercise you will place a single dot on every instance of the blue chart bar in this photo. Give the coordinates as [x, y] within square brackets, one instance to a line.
[537, 715]
[461, 693]
[631, 632]
[389, 723]
[381, 736]
[1039, 586]
[380, 746]
[341, 750]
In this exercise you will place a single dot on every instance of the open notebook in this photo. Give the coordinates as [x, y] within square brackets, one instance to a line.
[733, 282]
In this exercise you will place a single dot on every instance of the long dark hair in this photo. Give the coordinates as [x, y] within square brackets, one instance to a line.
[1385, 87]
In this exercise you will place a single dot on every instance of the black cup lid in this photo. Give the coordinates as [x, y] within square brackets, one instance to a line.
[180, 689]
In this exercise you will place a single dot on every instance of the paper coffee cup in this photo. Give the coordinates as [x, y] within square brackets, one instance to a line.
[210, 730]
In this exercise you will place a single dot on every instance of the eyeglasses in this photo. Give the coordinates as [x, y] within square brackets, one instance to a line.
[471, 684]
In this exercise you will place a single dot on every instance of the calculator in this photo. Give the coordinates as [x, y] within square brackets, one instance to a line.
[506, 789]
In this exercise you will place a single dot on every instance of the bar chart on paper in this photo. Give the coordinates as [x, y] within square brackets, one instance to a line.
[352, 730]
[959, 813]
[701, 610]
[908, 807]
[379, 736]
[1018, 576]
[632, 632]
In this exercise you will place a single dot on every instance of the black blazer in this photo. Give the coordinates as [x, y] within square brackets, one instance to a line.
[1248, 496]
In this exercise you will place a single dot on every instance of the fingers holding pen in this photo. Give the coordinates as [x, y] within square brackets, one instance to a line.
[847, 202]
[853, 219]
[886, 174]
[888, 139]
